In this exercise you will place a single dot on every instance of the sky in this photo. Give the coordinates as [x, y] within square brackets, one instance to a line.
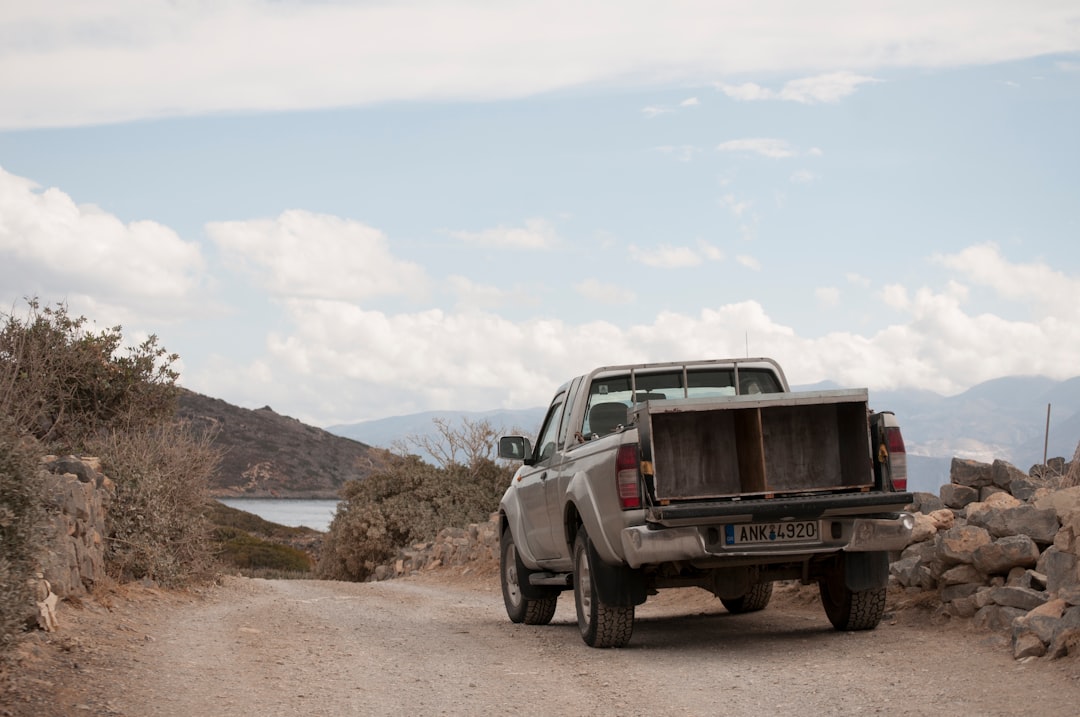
[354, 210]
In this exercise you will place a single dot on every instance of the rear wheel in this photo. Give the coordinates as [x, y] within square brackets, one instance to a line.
[514, 575]
[757, 599]
[601, 624]
[849, 609]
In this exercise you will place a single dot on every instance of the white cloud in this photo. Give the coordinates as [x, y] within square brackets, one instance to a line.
[316, 255]
[53, 247]
[690, 102]
[536, 234]
[471, 295]
[803, 176]
[666, 256]
[69, 62]
[1048, 289]
[830, 87]
[682, 152]
[652, 111]
[337, 361]
[827, 296]
[748, 261]
[605, 293]
[734, 205]
[766, 147]
[858, 280]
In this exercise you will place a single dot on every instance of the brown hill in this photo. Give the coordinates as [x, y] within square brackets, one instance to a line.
[267, 455]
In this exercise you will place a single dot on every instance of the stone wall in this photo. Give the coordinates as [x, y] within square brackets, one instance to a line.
[1001, 548]
[453, 546]
[78, 496]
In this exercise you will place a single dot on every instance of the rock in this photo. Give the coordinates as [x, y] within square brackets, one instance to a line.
[1024, 599]
[986, 491]
[1027, 644]
[957, 496]
[925, 502]
[1003, 473]
[996, 618]
[943, 519]
[1004, 554]
[962, 574]
[924, 528]
[1066, 637]
[1060, 569]
[1003, 515]
[957, 545]
[970, 473]
[956, 592]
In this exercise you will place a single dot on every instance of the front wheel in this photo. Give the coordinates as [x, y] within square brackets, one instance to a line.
[850, 609]
[601, 625]
[514, 575]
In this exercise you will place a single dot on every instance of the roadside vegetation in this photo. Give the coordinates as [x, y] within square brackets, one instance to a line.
[246, 544]
[407, 500]
[66, 388]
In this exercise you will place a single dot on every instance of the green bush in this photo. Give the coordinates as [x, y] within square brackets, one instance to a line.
[247, 552]
[20, 524]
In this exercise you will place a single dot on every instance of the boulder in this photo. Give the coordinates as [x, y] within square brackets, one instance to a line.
[957, 496]
[943, 519]
[997, 618]
[1060, 569]
[1026, 644]
[1005, 554]
[953, 593]
[958, 545]
[962, 574]
[970, 473]
[1024, 599]
[1003, 473]
[925, 502]
[924, 528]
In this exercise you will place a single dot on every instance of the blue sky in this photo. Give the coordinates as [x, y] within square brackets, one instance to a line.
[351, 210]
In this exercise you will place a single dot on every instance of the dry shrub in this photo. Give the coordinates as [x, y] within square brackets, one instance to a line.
[20, 524]
[404, 501]
[157, 526]
[1072, 478]
[65, 384]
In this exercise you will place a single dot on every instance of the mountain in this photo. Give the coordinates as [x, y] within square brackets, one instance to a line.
[1000, 419]
[267, 455]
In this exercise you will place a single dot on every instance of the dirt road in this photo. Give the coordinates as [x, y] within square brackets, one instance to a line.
[441, 644]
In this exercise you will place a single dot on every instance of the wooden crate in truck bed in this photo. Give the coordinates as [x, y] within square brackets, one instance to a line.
[757, 444]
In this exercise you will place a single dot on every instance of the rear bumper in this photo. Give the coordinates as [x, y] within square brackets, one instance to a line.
[647, 545]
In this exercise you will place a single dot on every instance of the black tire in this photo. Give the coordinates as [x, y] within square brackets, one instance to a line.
[850, 610]
[513, 574]
[757, 599]
[601, 625]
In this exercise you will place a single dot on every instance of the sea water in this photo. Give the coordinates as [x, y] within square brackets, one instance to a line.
[315, 514]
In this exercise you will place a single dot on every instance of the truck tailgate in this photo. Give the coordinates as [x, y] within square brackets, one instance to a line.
[757, 445]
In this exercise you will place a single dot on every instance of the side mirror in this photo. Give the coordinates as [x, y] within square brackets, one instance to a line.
[515, 448]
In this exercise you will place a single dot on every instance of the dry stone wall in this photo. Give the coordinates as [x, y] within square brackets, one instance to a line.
[1002, 548]
[73, 562]
[479, 542]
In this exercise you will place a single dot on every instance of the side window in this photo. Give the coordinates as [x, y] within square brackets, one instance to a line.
[545, 442]
[570, 398]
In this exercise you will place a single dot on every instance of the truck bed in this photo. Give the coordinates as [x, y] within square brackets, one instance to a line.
[757, 445]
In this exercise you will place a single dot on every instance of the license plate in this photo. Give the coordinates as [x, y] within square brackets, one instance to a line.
[793, 531]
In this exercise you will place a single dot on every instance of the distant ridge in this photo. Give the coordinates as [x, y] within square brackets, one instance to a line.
[267, 455]
[1004, 418]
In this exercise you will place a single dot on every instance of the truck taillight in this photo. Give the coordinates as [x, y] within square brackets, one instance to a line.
[626, 475]
[897, 458]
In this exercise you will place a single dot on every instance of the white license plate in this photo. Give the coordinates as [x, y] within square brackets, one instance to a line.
[792, 531]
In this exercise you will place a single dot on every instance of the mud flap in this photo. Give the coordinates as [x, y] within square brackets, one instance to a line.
[866, 571]
[618, 585]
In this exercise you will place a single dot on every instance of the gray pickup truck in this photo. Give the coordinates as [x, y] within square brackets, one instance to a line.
[709, 474]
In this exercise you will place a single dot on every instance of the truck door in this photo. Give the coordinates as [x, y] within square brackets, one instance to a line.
[532, 484]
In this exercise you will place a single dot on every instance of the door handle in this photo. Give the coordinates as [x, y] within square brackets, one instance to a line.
[543, 476]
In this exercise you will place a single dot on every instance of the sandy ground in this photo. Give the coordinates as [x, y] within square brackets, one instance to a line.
[441, 644]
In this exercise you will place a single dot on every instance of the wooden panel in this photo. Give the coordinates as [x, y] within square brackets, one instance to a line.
[695, 455]
[751, 449]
